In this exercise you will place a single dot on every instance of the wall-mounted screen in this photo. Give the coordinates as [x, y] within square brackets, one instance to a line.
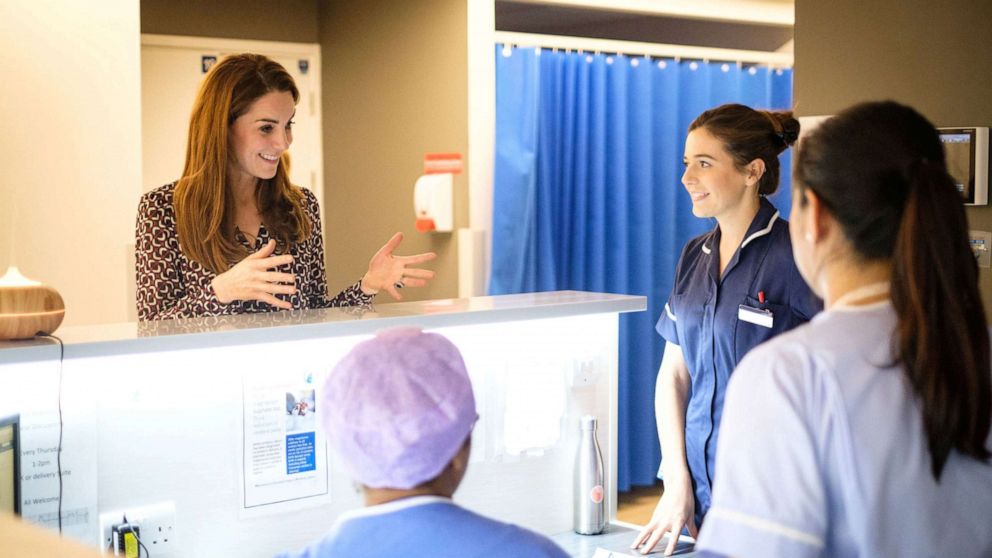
[967, 153]
[10, 461]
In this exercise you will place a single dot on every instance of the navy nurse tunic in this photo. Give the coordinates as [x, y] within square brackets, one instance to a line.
[716, 320]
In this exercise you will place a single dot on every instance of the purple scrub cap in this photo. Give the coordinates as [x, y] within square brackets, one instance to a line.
[398, 407]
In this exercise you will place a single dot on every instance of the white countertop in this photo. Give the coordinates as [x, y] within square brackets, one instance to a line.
[134, 337]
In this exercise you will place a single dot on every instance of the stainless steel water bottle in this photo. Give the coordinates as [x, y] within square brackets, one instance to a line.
[589, 493]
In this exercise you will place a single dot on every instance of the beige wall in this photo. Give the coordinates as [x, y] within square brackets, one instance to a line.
[395, 87]
[935, 56]
[285, 20]
[71, 147]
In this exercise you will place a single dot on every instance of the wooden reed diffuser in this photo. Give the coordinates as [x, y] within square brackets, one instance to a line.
[27, 308]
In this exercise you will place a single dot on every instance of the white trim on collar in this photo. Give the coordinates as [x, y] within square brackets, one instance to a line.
[668, 311]
[762, 232]
[394, 506]
[706, 249]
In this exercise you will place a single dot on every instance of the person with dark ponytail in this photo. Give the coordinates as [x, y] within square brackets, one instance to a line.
[867, 431]
[735, 287]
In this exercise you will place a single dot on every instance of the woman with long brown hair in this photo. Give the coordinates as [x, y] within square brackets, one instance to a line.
[867, 431]
[233, 235]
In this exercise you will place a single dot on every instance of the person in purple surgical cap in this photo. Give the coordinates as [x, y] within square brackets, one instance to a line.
[399, 411]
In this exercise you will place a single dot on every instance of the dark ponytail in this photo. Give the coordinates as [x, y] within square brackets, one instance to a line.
[879, 169]
[942, 336]
[750, 134]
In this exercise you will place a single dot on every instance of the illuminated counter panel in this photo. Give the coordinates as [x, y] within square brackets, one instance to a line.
[180, 412]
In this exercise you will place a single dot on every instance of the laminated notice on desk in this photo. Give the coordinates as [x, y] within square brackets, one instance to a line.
[682, 547]
[284, 454]
[621, 549]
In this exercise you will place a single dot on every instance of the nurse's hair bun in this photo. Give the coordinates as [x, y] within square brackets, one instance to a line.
[749, 134]
[785, 125]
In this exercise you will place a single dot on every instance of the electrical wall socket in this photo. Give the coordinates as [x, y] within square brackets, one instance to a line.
[157, 524]
[582, 373]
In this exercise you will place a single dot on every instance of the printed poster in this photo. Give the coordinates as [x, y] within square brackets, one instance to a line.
[285, 454]
[35, 390]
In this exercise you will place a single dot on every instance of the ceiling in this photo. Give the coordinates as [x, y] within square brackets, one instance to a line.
[653, 26]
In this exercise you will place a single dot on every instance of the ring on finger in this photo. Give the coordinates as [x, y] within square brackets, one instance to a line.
[399, 284]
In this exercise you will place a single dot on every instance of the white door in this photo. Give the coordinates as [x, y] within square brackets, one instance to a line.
[172, 69]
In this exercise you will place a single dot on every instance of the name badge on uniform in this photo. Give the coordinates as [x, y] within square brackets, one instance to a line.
[757, 316]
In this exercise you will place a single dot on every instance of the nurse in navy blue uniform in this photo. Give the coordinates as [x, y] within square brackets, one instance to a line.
[735, 287]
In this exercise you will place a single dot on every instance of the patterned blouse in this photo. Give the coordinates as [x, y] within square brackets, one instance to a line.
[170, 285]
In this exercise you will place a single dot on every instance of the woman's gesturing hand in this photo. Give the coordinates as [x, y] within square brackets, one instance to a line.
[675, 510]
[252, 279]
[390, 273]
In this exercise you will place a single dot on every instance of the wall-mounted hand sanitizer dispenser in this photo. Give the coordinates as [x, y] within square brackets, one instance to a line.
[432, 202]
[967, 153]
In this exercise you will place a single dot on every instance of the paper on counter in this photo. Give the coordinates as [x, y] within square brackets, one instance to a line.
[35, 391]
[534, 405]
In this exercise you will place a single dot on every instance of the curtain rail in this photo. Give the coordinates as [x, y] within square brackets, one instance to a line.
[633, 48]
[761, 12]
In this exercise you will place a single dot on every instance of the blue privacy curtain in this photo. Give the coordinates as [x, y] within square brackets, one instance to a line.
[587, 192]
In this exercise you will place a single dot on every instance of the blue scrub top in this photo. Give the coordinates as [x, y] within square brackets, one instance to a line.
[702, 317]
[426, 527]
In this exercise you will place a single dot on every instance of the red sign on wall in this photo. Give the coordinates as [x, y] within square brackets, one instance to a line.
[438, 163]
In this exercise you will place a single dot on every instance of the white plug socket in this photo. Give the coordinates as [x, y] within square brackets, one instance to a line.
[583, 373]
[156, 524]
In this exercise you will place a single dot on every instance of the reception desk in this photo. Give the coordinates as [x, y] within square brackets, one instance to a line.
[208, 430]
